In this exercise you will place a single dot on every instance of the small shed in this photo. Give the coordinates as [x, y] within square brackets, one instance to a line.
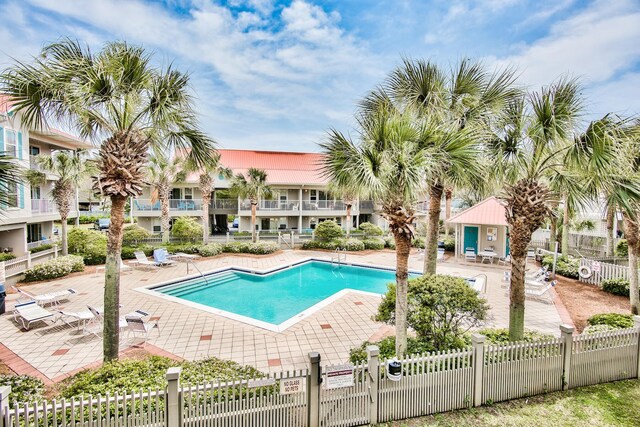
[482, 227]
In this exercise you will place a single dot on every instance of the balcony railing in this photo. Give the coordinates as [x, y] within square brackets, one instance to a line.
[366, 204]
[225, 204]
[329, 205]
[42, 206]
[174, 205]
[272, 205]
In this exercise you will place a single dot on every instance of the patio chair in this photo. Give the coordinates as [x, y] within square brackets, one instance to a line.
[48, 298]
[470, 255]
[541, 272]
[544, 294]
[98, 313]
[30, 312]
[141, 260]
[161, 257]
[504, 260]
[135, 325]
[81, 317]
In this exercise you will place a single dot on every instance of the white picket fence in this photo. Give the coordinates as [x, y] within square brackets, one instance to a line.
[19, 265]
[430, 383]
[601, 271]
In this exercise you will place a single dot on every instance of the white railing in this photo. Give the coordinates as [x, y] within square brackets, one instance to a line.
[42, 206]
[33, 245]
[228, 204]
[601, 271]
[348, 395]
[19, 265]
[142, 205]
[366, 204]
[330, 205]
[272, 205]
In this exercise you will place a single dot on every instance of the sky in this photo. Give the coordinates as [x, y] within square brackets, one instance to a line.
[277, 75]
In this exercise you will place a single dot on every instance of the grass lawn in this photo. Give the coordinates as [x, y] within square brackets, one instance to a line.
[612, 404]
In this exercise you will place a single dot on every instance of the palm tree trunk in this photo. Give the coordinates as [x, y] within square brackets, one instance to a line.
[565, 229]
[631, 231]
[431, 242]
[77, 221]
[610, 238]
[112, 279]
[165, 218]
[63, 235]
[403, 247]
[516, 293]
[253, 222]
[206, 200]
[448, 196]
[348, 225]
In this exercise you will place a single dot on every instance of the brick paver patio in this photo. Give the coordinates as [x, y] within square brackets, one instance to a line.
[188, 333]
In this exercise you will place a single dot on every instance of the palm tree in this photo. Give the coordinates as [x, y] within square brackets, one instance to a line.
[253, 187]
[206, 179]
[119, 100]
[349, 196]
[387, 165]
[468, 97]
[10, 175]
[69, 170]
[162, 173]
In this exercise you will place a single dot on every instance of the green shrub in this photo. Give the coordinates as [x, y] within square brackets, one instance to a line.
[441, 309]
[622, 248]
[24, 388]
[52, 269]
[128, 252]
[328, 230]
[353, 245]
[390, 242]
[134, 233]
[418, 242]
[370, 229]
[617, 286]
[95, 255]
[79, 239]
[449, 244]
[134, 375]
[41, 248]
[260, 248]
[374, 243]
[86, 219]
[6, 256]
[187, 228]
[501, 336]
[187, 248]
[211, 249]
[594, 329]
[566, 266]
[387, 348]
[613, 320]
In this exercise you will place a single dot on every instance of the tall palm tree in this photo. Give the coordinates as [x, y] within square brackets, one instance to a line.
[253, 187]
[387, 165]
[69, 169]
[206, 179]
[349, 196]
[162, 173]
[467, 97]
[125, 105]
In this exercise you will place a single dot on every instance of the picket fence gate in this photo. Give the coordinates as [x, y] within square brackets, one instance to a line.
[430, 383]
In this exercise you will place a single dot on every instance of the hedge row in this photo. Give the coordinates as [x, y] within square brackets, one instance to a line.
[52, 269]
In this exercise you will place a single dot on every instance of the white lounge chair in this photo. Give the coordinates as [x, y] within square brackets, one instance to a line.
[30, 312]
[141, 260]
[81, 317]
[135, 325]
[543, 294]
[123, 267]
[470, 255]
[504, 260]
[48, 298]
[161, 257]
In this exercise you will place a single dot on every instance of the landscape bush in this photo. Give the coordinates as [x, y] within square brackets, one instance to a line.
[449, 244]
[260, 248]
[501, 335]
[594, 329]
[6, 256]
[375, 243]
[328, 230]
[418, 242]
[90, 244]
[128, 252]
[41, 248]
[617, 286]
[613, 320]
[211, 249]
[24, 388]
[86, 219]
[52, 269]
[566, 266]
[441, 309]
[134, 233]
[370, 229]
[352, 245]
[187, 228]
[622, 248]
[390, 243]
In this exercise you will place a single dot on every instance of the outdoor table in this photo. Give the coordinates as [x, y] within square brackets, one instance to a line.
[487, 255]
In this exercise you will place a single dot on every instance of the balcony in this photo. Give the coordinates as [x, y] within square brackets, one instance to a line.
[179, 205]
[42, 206]
[324, 205]
[272, 205]
[366, 205]
[224, 204]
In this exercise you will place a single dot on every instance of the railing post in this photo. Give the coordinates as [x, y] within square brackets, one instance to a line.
[257, 236]
[28, 259]
[636, 325]
[477, 341]
[313, 234]
[313, 390]
[567, 339]
[55, 251]
[373, 362]
[227, 237]
[5, 391]
[173, 403]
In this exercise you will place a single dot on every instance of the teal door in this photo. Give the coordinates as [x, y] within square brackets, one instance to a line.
[508, 250]
[470, 238]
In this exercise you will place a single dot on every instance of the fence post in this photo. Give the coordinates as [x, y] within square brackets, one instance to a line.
[227, 237]
[373, 362]
[173, 403]
[636, 325]
[567, 339]
[28, 259]
[5, 391]
[477, 342]
[313, 390]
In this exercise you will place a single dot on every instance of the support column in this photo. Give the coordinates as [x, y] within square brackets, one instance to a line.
[313, 390]
[567, 339]
[173, 397]
[373, 362]
[300, 210]
[477, 342]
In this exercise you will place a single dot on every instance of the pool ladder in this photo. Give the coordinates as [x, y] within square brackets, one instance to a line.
[197, 269]
[339, 256]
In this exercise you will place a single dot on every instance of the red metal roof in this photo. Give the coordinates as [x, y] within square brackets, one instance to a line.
[488, 212]
[282, 167]
[5, 104]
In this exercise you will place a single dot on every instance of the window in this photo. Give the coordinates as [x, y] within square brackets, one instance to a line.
[35, 193]
[188, 193]
[176, 193]
[12, 194]
[34, 151]
[34, 233]
[157, 229]
[313, 196]
[11, 142]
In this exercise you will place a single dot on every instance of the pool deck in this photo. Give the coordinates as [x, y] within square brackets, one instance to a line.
[55, 351]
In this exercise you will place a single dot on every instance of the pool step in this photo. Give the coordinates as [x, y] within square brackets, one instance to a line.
[201, 284]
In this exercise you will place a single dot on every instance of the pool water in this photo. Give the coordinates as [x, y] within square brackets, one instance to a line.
[273, 298]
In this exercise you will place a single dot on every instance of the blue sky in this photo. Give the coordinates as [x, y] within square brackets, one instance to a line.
[278, 74]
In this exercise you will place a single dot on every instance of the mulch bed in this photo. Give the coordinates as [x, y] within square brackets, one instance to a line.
[4, 369]
[583, 301]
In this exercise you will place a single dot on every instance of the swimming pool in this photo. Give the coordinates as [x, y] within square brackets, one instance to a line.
[277, 299]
